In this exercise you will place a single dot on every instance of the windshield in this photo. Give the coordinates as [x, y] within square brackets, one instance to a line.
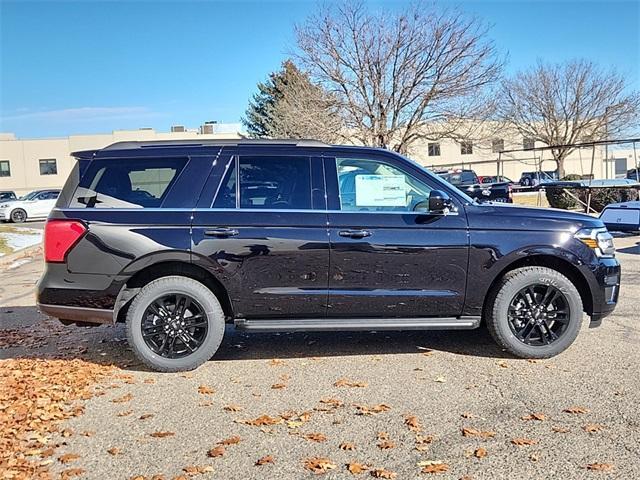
[30, 195]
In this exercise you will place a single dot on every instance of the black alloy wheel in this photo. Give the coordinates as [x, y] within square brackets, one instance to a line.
[174, 326]
[539, 315]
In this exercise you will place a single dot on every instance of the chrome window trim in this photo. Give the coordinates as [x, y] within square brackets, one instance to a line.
[256, 210]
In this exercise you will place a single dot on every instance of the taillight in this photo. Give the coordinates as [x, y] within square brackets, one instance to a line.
[60, 236]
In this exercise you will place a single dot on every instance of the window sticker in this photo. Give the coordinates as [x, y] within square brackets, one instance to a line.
[381, 191]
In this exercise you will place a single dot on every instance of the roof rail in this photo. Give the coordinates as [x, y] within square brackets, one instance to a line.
[128, 145]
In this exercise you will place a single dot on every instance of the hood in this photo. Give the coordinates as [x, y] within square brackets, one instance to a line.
[500, 216]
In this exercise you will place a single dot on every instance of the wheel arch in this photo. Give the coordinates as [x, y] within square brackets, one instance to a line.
[554, 262]
[167, 268]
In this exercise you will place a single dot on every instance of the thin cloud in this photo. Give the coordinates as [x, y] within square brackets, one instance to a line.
[84, 113]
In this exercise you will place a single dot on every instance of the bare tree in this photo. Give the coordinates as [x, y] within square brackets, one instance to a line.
[394, 72]
[567, 103]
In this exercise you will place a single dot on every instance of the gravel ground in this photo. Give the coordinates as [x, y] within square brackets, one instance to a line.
[447, 380]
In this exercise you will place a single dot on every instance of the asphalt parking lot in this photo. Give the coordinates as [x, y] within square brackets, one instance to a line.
[414, 404]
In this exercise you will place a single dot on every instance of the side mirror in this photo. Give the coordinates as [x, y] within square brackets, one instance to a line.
[437, 204]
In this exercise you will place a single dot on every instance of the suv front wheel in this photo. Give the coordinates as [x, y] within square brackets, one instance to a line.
[175, 324]
[535, 312]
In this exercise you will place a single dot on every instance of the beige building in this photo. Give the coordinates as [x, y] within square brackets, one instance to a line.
[30, 164]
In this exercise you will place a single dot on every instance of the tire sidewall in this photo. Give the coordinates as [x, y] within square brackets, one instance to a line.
[13, 212]
[175, 285]
[517, 283]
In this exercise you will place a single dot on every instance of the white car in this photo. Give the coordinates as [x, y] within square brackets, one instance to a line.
[36, 204]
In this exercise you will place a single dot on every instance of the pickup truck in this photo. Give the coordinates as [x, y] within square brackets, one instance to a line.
[469, 183]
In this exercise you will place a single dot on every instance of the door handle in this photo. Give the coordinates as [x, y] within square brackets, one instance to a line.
[354, 233]
[221, 232]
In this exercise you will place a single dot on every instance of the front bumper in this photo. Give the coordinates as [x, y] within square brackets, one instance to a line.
[605, 288]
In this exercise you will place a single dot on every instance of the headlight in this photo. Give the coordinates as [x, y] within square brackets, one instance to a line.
[599, 239]
[4, 205]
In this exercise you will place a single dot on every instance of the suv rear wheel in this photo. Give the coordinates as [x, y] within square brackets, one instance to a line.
[175, 324]
[535, 312]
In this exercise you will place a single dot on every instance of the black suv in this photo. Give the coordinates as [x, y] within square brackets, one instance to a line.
[178, 239]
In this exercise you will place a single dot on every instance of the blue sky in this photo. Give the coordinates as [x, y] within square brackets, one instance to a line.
[84, 67]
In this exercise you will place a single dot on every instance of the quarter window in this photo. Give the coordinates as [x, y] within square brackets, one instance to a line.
[48, 166]
[267, 183]
[434, 149]
[127, 183]
[5, 168]
[373, 186]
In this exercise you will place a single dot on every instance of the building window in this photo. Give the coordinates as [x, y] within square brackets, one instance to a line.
[434, 149]
[466, 148]
[497, 145]
[528, 143]
[5, 168]
[48, 166]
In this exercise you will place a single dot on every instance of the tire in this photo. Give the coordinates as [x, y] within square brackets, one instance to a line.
[202, 299]
[18, 215]
[503, 319]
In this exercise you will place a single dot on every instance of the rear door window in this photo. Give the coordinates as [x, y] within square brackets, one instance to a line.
[127, 183]
[266, 182]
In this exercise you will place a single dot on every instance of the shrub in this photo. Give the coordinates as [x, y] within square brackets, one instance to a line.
[600, 197]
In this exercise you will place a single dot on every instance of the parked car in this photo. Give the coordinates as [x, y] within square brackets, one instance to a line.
[7, 195]
[176, 240]
[495, 179]
[633, 174]
[36, 204]
[533, 179]
[469, 183]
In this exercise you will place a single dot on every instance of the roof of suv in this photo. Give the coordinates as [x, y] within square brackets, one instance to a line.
[169, 144]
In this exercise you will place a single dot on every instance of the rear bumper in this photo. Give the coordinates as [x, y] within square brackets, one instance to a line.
[77, 314]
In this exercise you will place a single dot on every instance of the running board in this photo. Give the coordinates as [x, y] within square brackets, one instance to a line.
[356, 324]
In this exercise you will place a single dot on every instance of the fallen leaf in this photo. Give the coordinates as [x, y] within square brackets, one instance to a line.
[263, 420]
[356, 468]
[67, 432]
[347, 446]
[230, 441]
[593, 427]
[88, 433]
[343, 382]
[472, 432]
[125, 398]
[71, 472]
[193, 470]
[467, 415]
[576, 410]
[114, 451]
[534, 457]
[319, 465]
[315, 437]
[264, 460]
[373, 410]
[503, 364]
[382, 436]
[232, 408]
[68, 458]
[440, 379]
[535, 416]
[218, 451]
[413, 423]
[383, 473]
[600, 467]
[124, 414]
[145, 416]
[205, 390]
[149, 381]
[162, 434]
[434, 466]
[278, 386]
[560, 429]
[274, 362]
[480, 453]
[386, 445]
[521, 442]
